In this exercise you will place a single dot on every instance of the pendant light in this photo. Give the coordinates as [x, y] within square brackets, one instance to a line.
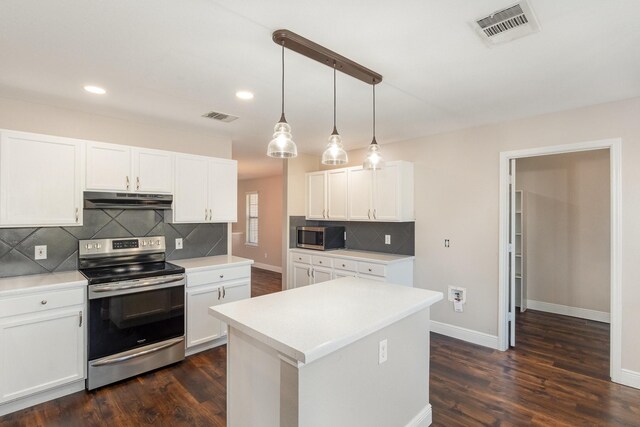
[374, 160]
[334, 154]
[282, 145]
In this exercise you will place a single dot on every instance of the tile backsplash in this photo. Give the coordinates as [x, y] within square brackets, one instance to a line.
[366, 236]
[17, 245]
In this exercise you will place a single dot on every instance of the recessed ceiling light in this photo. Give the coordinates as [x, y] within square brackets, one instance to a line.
[95, 89]
[244, 94]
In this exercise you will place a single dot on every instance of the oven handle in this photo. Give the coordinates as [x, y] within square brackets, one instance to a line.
[133, 284]
[148, 350]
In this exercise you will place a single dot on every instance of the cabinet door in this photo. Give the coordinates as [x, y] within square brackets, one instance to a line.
[321, 274]
[40, 180]
[223, 190]
[234, 292]
[41, 351]
[191, 189]
[152, 171]
[201, 326]
[108, 167]
[337, 186]
[387, 193]
[360, 194]
[316, 195]
[301, 274]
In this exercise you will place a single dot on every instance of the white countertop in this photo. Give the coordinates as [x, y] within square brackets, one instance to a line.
[310, 322]
[195, 264]
[358, 255]
[37, 282]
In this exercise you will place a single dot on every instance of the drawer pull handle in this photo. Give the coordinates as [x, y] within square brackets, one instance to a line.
[43, 302]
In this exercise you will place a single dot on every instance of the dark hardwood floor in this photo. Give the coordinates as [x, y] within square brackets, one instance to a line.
[556, 376]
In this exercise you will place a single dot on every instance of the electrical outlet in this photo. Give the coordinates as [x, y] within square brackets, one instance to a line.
[265, 254]
[179, 243]
[41, 252]
[387, 239]
[457, 293]
[382, 352]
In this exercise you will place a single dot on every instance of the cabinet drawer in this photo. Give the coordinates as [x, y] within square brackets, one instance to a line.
[40, 301]
[372, 269]
[322, 261]
[303, 258]
[345, 264]
[217, 275]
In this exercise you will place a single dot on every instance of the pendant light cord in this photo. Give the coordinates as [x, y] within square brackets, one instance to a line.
[334, 96]
[283, 78]
[374, 109]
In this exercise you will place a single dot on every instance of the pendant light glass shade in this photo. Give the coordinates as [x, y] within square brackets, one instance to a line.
[373, 160]
[282, 145]
[334, 154]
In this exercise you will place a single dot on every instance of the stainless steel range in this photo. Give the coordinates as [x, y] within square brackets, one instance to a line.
[136, 307]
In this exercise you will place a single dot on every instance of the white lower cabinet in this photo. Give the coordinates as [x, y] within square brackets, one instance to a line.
[309, 267]
[210, 288]
[42, 342]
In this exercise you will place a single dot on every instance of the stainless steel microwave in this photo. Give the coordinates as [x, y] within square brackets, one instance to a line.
[320, 238]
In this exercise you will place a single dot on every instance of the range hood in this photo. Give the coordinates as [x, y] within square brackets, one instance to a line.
[100, 200]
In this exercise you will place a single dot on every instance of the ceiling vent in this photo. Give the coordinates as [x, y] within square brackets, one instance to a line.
[222, 117]
[507, 24]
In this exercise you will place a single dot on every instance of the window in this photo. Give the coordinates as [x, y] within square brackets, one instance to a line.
[252, 219]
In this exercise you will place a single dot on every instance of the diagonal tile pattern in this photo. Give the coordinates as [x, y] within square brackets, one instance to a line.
[17, 245]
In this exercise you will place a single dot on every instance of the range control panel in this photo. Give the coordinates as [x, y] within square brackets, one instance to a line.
[108, 247]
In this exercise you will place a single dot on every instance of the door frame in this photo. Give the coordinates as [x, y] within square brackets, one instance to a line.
[614, 146]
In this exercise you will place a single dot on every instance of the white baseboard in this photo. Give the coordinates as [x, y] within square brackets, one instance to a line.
[630, 378]
[465, 334]
[583, 313]
[205, 346]
[422, 418]
[268, 267]
[37, 398]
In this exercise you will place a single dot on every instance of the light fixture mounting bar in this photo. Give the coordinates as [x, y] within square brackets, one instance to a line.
[328, 57]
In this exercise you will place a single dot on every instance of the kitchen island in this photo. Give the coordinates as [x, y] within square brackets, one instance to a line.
[347, 352]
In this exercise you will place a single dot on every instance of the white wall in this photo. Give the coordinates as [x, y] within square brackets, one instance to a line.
[58, 121]
[567, 227]
[457, 198]
[269, 248]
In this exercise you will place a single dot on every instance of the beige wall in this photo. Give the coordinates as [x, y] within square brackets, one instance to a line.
[269, 249]
[457, 198]
[566, 227]
[50, 120]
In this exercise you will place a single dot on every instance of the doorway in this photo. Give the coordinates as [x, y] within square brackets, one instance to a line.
[509, 269]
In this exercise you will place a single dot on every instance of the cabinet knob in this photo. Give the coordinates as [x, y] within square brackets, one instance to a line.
[343, 265]
[222, 276]
[319, 262]
[369, 269]
[43, 302]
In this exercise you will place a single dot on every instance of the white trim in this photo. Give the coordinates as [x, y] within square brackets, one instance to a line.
[422, 418]
[566, 310]
[629, 378]
[41, 397]
[268, 267]
[205, 346]
[615, 147]
[464, 334]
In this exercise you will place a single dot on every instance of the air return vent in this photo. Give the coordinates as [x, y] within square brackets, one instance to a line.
[507, 24]
[222, 117]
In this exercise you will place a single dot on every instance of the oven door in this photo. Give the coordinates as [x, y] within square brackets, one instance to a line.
[131, 314]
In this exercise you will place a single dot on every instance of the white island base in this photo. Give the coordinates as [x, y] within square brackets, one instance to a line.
[311, 356]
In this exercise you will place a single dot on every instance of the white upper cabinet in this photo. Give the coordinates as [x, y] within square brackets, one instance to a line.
[316, 195]
[108, 167]
[205, 189]
[337, 186]
[355, 194]
[223, 190]
[152, 170]
[40, 180]
[327, 195]
[360, 194]
[113, 167]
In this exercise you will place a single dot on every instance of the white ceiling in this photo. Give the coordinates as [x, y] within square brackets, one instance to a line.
[175, 60]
